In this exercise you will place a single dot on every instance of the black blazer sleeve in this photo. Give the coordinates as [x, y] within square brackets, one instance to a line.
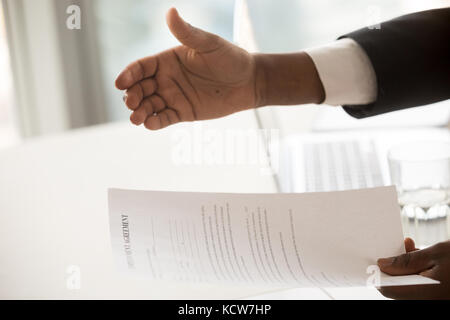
[411, 59]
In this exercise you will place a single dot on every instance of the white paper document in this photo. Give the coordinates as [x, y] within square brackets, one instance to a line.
[326, 239]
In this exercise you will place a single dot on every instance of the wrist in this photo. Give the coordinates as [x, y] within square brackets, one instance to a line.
[260, 85]
[286, 79]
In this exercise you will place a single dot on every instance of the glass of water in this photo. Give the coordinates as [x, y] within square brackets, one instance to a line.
[421, 173]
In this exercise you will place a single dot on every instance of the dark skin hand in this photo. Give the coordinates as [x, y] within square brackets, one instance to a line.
[207, 77]
[432, 262]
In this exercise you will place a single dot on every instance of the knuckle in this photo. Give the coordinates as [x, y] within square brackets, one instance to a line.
[443, 246]
[439, 249]
[403, 260]
[435, 251]
[141, 68]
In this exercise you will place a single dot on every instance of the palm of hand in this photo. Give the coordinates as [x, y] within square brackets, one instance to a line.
[200, 86]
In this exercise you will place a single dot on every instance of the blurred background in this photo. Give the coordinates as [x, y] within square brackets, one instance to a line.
[53, 79]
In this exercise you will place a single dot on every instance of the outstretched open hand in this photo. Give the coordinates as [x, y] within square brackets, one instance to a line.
[206, 77]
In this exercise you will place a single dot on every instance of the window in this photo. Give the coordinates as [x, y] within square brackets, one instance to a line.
[8, 132]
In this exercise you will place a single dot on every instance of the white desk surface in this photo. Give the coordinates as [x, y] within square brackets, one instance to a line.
[53, 211]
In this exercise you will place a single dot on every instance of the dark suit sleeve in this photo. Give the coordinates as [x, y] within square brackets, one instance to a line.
[411, 59]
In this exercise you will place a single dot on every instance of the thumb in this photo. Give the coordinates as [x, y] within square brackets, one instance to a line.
[190, 36]
[410, 245]
[412, 262]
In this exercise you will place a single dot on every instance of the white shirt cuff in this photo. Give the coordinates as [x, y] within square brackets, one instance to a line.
[346, 72]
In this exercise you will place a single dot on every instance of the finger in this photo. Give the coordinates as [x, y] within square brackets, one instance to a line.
[153, 122]
[154, 105]
[429, 291]
[137, 71]
[157, 103]
[147, 108]
[162, 119]
[190, 36]
[169, 117]
[139, 91]
[139, 116]
[409, 263]
[410, 245]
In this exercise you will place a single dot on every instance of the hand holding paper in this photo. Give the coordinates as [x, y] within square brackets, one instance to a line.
[330, 239]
